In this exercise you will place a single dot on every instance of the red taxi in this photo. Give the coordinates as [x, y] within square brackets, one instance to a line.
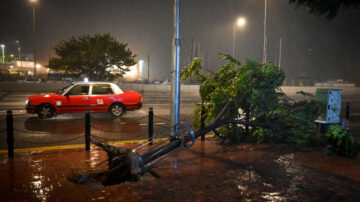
[83, 96]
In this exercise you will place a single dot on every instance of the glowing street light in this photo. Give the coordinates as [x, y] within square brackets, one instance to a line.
[240, 22]
[34, 2]
[141, 66]
[3, 52]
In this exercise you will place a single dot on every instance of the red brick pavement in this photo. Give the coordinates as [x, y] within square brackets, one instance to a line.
[208, 172]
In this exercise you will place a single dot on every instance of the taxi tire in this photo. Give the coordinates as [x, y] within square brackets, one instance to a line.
[117, 106]
[47, 108]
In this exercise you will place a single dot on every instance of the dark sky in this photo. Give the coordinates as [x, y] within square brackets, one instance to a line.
[312, 46]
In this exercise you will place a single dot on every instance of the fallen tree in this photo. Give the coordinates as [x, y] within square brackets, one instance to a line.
[240, 104]
[254, 95]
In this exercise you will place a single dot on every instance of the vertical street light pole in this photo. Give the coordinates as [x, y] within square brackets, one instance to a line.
[280, 52]
[175, 84]
[239, 22]
[34, 40]
[3, 53]
[3, 56]
[233, 52]
[148, 67]
[34, 34]
[265, 37]
[19, 56]
[19, 53]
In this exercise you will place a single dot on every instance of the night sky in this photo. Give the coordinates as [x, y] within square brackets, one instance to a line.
[313, 47]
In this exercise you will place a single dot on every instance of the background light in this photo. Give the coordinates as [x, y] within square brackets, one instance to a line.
[141, 65]
[241, 22]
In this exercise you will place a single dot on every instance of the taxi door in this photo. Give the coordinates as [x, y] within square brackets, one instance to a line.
[75, 100]
[102, 96]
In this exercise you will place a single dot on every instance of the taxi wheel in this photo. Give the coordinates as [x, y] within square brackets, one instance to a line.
[117, 109]
[45, 111]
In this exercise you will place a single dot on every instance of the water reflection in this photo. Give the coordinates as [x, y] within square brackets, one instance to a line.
[273, 196]
[40, 186]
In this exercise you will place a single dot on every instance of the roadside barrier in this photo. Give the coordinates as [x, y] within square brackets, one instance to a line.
[154, 132]
[151, 125]
[10, 133]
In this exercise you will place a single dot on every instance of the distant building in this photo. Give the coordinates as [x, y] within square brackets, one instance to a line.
[22, 68]
[336, 83]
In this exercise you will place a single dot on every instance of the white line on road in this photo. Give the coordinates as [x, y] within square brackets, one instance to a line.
[145, 124]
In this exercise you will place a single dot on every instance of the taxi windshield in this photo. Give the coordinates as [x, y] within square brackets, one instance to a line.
[63, 90]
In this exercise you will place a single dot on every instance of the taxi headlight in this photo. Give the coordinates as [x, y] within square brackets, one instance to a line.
[27, 102]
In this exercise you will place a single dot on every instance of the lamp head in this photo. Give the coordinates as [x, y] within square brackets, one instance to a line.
[241, 22]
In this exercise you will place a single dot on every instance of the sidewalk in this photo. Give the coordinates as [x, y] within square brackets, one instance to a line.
[207, 172]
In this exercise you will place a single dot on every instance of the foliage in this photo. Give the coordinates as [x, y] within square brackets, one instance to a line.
[9, 59]
[254, 90]
[329, 8]
[341, 142]
[92, 55]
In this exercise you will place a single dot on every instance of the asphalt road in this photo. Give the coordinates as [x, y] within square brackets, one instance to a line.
[65, 129]
[68, 129]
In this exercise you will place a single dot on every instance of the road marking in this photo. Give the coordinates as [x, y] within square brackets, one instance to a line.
[145, 124]
[76, 146]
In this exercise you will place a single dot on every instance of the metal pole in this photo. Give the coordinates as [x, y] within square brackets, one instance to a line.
[10, 133]
[148, 67]
[347, 111]
[234, 40]
[3, 53]
[87, 130]
[202, 119]
[347, 116]
[175, 87]
[151, 125]
[280, 52]
[265, 40]
[34, 40]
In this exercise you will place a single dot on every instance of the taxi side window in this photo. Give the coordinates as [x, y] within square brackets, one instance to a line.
[79, 90]
[102, 89]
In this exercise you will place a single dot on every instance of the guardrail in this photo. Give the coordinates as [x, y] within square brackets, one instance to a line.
[52, 87]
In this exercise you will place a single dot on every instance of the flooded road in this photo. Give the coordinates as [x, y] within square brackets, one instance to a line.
[69, 129]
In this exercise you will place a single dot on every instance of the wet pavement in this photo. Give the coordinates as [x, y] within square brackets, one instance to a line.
[206, 172]
[67, 129]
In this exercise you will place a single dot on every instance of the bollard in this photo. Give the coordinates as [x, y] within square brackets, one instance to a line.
[151, 125]
[247, 119]
[10, 133]
[202, 119]
[87, 131]
[347, 116]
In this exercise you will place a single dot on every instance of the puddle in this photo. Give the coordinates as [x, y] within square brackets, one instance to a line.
[123, 166]
[205, 172]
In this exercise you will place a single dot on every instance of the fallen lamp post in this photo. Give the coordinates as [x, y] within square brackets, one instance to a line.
[129, 165]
